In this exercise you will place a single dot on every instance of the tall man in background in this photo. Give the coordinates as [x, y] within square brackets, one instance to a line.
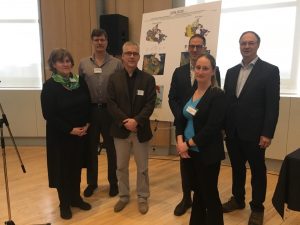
[183, 81]
[252, 91]
[96, 70]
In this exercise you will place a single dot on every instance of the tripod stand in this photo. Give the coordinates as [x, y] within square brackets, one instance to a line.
[3, 120]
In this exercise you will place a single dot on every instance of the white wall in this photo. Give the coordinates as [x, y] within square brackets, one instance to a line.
[23, 112]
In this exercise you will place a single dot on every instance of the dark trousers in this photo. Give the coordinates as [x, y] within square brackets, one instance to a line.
[100, 124]
[70, 175]
[240, 152]
[186, 169]
[207, 207]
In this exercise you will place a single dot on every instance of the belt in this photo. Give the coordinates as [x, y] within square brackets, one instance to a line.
[100, 105]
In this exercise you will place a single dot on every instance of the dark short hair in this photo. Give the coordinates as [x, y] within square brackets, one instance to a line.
[252, 32]
[99, 32]
[198, 36]
[58, 54]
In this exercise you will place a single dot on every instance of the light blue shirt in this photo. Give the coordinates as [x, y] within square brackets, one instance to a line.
[189, 131]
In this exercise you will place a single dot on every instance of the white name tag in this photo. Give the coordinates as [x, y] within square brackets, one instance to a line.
[191, 110]
[140, 92]
[97, 70]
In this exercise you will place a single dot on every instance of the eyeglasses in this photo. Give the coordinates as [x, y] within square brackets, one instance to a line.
[131, 54]
[250, 43]
[198, 47]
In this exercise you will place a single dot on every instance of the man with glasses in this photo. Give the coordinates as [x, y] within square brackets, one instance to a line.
[183, 82]
[252, 91]
[132, 95]
[96, 70]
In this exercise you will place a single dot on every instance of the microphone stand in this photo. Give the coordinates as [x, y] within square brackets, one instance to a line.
[4, 120]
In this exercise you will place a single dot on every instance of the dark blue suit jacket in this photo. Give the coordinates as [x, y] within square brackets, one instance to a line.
[255, 112]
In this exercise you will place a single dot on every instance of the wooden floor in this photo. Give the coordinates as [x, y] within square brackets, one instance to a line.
[32, 202]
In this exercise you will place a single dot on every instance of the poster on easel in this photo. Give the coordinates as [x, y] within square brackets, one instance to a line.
[164, 45]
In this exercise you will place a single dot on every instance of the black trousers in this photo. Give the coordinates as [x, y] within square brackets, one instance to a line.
[100, 124]
[207, 207]
[68, 187]
[240, 152]
[186, 169]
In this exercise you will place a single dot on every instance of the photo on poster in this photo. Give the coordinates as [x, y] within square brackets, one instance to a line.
[154, 64]
[184, 58]
[159, 96]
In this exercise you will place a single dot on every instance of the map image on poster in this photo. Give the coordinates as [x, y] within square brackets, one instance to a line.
[155, 35]
[164, 45]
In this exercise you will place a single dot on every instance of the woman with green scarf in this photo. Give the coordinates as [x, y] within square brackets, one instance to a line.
[65, 104]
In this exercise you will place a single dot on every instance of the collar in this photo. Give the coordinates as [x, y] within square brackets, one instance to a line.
[107, 57]
[133, 74]
[251, 64]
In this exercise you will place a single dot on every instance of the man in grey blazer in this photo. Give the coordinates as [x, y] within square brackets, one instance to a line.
[131, 101]
[252, 92]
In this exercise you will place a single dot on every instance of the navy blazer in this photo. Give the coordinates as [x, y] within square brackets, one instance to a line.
[181, 88]
[142, 103]
[208, 123]
[255, 112]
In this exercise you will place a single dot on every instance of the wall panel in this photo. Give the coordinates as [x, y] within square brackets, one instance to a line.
[78, 29]
[53, 27]
[293, 142]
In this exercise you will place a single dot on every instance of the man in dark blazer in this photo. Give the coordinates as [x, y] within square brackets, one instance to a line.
[182, 84]
[132, 96]
[252, 92]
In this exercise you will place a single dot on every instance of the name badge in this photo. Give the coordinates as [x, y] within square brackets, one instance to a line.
[140, 92]
[97, 70]
[191, 110]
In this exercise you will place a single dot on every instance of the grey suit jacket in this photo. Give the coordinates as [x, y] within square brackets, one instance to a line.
[141, 106]
[255, 112]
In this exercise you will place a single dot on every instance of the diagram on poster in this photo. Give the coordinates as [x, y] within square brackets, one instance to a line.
[164, 44]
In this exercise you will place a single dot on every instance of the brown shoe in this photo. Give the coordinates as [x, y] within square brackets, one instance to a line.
[120, 206]
[232, 205]
[256, 218]
[143, 207]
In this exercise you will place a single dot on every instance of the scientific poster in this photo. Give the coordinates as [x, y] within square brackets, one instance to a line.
[164, 43]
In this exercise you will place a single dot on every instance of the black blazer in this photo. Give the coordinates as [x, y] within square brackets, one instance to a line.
[181, 88]
[141, 106]
[208, 124]
[255, 112]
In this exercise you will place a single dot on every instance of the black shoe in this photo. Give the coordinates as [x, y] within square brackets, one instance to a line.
[88, 192]
[113, 190]
[256, 218]
[65, 212]
[182, 207]
[81, 205]
[232, 205]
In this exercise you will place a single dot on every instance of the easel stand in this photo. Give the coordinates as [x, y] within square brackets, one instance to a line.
[3, 120]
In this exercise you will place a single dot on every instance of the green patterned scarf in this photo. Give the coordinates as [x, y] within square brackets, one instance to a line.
[71, 82]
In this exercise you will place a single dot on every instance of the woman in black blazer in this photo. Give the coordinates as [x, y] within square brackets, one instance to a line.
[199, 137]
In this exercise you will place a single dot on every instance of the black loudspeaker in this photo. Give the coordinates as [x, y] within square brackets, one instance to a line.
[116, 27]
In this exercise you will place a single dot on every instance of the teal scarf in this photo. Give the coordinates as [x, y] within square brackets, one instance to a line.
[71, 82]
